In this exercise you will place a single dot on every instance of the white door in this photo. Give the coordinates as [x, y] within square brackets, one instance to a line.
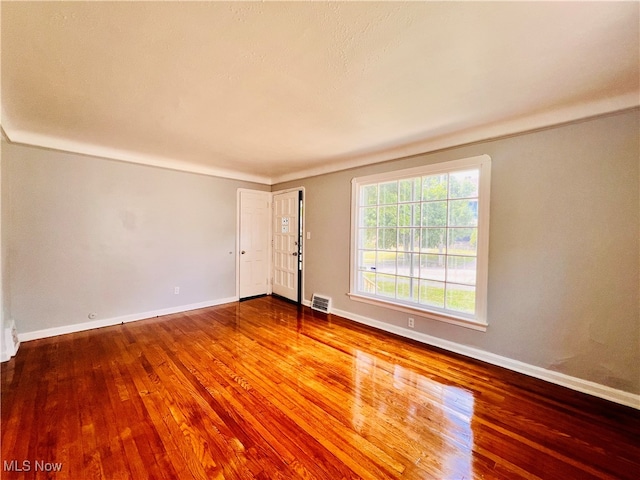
[255, 215]
[286, 249]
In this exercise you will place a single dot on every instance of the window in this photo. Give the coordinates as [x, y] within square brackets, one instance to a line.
[420, 240]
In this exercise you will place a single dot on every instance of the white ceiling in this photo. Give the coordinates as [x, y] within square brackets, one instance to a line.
[277, 91]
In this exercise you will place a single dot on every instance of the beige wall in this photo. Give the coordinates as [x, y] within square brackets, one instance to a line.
[92, 235]
[4, 285]
[564, 249]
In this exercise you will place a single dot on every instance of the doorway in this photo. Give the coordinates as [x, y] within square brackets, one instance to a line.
[287, 245]
[270, 244]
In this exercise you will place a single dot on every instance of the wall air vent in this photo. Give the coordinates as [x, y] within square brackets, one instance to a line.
[320, 303]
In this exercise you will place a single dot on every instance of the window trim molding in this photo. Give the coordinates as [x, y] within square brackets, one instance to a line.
[479, 320]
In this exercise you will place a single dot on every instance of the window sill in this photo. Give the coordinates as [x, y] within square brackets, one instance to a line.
[451, 319]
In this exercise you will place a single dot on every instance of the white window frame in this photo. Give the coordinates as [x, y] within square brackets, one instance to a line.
[476, 321]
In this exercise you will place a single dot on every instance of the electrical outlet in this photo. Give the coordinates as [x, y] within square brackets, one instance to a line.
[411, 322]
[176, 290]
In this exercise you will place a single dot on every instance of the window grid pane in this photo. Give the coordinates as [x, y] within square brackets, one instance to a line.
[424, 249]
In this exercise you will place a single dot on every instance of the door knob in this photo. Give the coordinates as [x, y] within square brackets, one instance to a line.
[295, 254]
[242, 252]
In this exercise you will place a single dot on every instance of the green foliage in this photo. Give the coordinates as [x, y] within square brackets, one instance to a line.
[429, 201]
[428, 293]
[473, 239]
[435, 214]
[388, 193]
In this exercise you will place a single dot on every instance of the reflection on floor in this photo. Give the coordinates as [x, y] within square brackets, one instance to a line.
[268, 390]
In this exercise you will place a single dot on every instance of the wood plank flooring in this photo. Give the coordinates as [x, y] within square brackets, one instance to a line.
[268, 390]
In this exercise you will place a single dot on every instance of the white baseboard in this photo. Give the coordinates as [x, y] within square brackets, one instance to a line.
[107, 322]
[11, 342]
[574, 383]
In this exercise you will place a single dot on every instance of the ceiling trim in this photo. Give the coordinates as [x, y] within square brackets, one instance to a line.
[475, 134]
[56, 143]
[574, 113]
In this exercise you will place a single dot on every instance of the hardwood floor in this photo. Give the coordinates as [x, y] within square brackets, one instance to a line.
[264, 389]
